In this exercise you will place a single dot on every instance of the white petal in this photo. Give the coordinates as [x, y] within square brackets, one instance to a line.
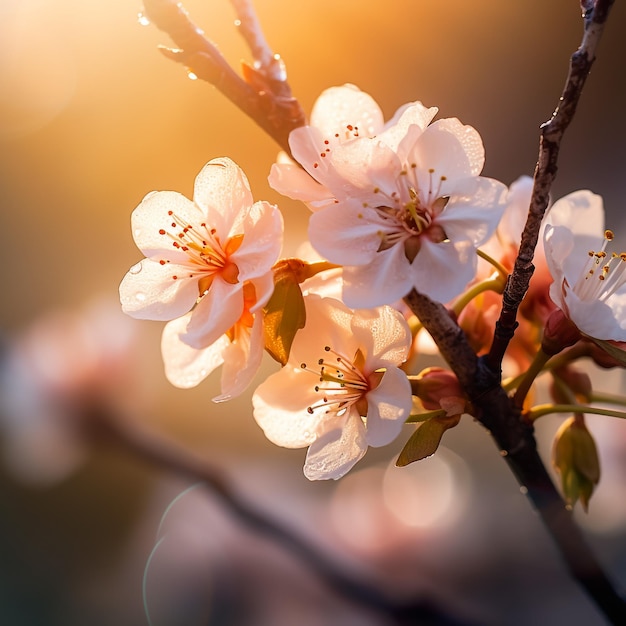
[292, 181]
[185, 366]
[443, 270]
[262, 241]
[340, 107]
[335, 453]
[387, 279]
[389, 404]
[280, 407]
[385, 334]
[152, 216]
[345, 234]
[215, 314]
[470, 140]
[602, 320]
[412, 114]
[582, 212]
[474, 209]
[221, 189]
[148, 291]
[242, 359]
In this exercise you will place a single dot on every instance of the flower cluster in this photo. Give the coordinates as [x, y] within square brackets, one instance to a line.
[396, 207]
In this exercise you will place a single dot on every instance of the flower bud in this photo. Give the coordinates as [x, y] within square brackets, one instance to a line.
[575, 457]
[439, 388]
[560, 332]
[576, 381]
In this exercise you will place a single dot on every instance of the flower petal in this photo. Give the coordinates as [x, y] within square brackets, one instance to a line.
[389, 404]
[280, 407]
[149, 291]
[185, 366]
[412, 114]
[222, 190]
[292, 181]
[335, 453]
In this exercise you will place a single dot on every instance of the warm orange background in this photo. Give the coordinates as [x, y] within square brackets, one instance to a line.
[92, 117]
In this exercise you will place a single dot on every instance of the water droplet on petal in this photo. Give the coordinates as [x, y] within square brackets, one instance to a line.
[135, 269]
[143, 20]
[140, 297]
[192, 76]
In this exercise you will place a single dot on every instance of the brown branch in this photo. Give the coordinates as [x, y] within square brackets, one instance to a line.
[552, 132]
[263, 93]
[515, 439]
[104, 427]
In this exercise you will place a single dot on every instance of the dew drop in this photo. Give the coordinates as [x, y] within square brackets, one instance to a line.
[135, 269]
[143, 20]
[192, 76]
[140, 297]
[523, 490]
[504, 453]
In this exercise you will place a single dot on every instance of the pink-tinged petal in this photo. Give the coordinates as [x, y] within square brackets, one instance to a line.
[388, 278]
[341, 110]
[469, 138]
[292, 181]
[149, 291]
[307, 146]
[185, 366]
[221, 189]
[262, 241]
[474, 210]
[412, 114]
[335, 453]
[151, 222]
[216, 313]
[442, 270]
[582, 212]
[516, 211]
[438, 153]
[558, 243]
[263, 290]
[328, 323]
[345, 234]
[385, 334]
[242, 359]
[280, 407]
[601, 320]
[362, 166]
[389, 404]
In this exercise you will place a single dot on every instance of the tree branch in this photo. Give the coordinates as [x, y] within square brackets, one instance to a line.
[552, 132]
[515, 439]
[104, 427]
[263, 93]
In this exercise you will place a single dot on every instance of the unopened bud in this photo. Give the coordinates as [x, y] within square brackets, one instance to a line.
[576, 381]
[439, 388]
[560, 332]
[575, 456]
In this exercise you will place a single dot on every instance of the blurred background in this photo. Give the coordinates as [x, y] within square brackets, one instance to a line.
[92, 118]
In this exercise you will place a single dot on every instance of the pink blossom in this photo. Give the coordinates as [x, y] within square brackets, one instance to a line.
[589, 279]
[341, 390]
[199, 254]
[404, 206]
[239, 351]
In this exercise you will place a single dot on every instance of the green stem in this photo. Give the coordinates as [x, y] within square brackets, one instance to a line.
[541, 358]
[546, 409]
[489, 284]
[502, 271]
[608, 398]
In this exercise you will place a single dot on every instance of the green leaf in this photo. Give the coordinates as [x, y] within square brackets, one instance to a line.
[284, 314]
[423, 442]
[611, 349]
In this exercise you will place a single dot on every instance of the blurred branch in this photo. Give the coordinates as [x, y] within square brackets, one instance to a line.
[164, 453]
[595, 14]
[263, 93]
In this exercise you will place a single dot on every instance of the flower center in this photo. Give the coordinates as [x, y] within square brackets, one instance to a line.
[412, 217]
[208, 257]
[341, 383]
[603, 274]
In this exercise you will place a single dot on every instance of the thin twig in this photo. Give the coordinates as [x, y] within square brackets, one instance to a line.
[552, 132]
[165, 454]
[262, 93]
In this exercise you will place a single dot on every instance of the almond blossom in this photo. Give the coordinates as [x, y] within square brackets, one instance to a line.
[239, 350]
[589, 279]
[401, 205]
[341, 390]
[200, 254]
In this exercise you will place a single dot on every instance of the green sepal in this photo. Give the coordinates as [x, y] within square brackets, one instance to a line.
[423, 442]
[284, 314]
